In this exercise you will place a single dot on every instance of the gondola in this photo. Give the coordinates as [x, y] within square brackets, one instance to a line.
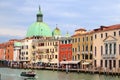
[28, 74]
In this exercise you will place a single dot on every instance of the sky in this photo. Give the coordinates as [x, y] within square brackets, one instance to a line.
[17, 15]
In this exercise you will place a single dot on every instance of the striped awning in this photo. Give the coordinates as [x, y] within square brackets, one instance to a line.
[86, 63]
[69, 62]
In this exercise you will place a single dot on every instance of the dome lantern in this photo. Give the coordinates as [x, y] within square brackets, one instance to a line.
[39, 28]
[39, 15]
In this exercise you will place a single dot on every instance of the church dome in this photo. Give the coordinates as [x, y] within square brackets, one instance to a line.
[39, 28]
[67, 35]
[56, 32]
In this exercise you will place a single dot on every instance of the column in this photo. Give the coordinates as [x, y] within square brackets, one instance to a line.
[112, 48]
[108, 49]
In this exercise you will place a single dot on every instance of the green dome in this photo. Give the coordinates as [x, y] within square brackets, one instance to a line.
[67, 35]
[56, 32]
[39, 29]
[17, 44]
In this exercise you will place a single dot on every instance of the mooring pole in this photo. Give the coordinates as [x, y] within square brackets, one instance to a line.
[0, 76]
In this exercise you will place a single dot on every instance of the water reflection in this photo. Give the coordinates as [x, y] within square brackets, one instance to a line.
[14, 74]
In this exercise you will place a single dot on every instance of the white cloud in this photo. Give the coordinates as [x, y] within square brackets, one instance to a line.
[12, 32]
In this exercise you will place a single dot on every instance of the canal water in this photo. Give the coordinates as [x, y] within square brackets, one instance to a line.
[14, 74]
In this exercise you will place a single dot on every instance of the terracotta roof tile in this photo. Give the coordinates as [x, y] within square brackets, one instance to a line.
[81, 29]
[106, 28]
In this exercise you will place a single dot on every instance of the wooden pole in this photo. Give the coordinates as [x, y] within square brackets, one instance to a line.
[0, 76]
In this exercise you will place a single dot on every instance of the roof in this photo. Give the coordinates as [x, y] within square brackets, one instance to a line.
[17, 44]
[56, 31]
[107, 28]
[81, 29]
[39, 29]
[90, 32]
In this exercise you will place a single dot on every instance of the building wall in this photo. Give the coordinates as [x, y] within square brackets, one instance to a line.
[100, 55]
[9, 50]
[2, 53]
[48, 50]
[26, 50]
[65, 50]
[81, 46]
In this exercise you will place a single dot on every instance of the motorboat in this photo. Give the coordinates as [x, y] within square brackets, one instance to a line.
[28, 74]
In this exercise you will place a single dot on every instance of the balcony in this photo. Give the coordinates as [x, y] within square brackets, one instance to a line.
[109, 56]
[83, 52]
[91, 52]
[78, 52]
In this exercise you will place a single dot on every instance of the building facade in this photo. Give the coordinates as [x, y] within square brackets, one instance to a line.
[82, 46]
[26, 52]
[106, 47]
[65, 49]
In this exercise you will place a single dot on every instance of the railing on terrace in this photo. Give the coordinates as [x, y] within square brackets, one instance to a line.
[109, 56]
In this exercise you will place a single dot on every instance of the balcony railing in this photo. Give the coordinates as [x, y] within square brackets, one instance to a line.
[91, 52]
[109, 56]
[78, 52]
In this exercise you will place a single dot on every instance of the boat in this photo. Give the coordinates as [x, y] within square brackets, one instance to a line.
[28, 74]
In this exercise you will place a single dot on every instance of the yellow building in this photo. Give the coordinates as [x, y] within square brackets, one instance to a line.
[82, 44]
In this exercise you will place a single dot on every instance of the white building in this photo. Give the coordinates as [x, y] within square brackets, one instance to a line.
[106, 47]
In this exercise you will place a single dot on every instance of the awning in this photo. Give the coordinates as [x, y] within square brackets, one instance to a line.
[86, 63]
[53, 62]
[64, 62]
[69, 62]
[73, 62]
[45, 61]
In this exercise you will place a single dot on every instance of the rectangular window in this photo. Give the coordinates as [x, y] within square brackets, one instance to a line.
[110, 48]
[65, 41]
[114, 48]
[91, 48]
[95, 36]
[73, 40]
[26, 58]
[119, 49]
[91, 38]
[86, 38]
[95, 63]
[56, 56]
[110, 64]
[78, 48]
[76, 40]
[79, 39]
[114, 33]
[101, 50]
[83, 47]
[101, 35]
[86, 47]
[119, 63]
[114, 63]
[69, 41]
[95, 51]
[101, 63]
[83, 39]
[22, 47]
[119, 33]
[106, 48]
[73, 49]
[106, 34]
[105, 63]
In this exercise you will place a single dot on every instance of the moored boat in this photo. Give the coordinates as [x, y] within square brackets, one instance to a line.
[28, 74]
